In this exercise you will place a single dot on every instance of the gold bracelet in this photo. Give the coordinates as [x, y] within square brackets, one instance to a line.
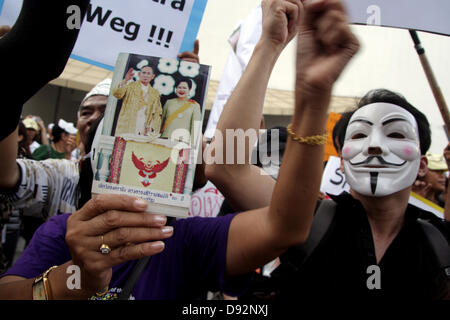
[311, 140]
[41, 286]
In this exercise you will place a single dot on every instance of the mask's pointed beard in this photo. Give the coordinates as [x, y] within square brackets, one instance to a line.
[373, 181]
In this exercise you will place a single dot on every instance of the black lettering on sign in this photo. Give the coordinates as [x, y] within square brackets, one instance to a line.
[117, 24]
[160, 38]
[177, 5]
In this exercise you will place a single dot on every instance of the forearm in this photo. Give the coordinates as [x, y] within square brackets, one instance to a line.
[44, 138]
[62, 288]
[233, 172]
[9, 171]
[244, 108]
[295, 193]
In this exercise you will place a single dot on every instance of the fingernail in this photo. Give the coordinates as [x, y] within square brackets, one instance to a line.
[167, 230]
[158, 245]
[160, 219]
[140, 204]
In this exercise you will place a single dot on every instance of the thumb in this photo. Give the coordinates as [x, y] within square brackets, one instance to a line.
[196, 47]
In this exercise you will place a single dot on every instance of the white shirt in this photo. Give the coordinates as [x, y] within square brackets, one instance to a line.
[47, 188]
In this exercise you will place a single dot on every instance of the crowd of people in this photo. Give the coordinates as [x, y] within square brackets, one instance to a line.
[372, 232]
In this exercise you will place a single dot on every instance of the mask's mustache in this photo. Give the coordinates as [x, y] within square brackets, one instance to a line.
[382, 161]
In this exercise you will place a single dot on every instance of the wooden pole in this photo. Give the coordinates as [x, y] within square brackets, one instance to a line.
[432, 80]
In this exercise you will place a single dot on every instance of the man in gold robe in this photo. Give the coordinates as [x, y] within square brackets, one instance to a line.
[141, 108]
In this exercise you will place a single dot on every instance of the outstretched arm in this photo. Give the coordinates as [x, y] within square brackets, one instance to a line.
[325, 46]
[243, 112]
[41, 29]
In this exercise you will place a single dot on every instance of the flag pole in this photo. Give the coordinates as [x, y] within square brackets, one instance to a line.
[432, 80]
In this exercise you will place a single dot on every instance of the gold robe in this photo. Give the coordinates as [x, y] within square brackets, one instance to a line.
[134, 100]
[186, 119]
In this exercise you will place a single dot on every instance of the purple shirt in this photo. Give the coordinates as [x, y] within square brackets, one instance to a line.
[192, 262]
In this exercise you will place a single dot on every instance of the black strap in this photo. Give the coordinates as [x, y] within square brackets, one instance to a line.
[295, 257]
[320, 225]
[133, 277]
[439, 245]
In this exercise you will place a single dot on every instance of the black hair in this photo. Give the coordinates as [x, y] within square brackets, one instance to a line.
[57, 133]
[23, 150]
[147, 66]
[187, 80]
[339, 130]
[387, 96]
[86, 174]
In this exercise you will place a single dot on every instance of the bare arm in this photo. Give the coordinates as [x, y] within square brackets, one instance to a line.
[125, 226]
[9, 171]
[40, 25]
[325, 46]
[244, 109]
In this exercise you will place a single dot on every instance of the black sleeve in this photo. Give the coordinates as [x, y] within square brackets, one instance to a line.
[33, 53]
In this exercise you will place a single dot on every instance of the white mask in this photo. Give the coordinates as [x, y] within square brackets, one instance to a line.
[381, 152]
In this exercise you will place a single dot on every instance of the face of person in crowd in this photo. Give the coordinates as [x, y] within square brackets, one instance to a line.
[183, 90]
[91, 110]
[381, 151]
[31, 134]
[436, 178]
[69, 142]
[146, 75]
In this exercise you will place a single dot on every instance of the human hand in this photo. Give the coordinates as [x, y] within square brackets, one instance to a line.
[4, 30]
[325, 46]
[129, 75]
[71, 143]
[279, 21]
[40, 123]
[120, 222]
[191, 56]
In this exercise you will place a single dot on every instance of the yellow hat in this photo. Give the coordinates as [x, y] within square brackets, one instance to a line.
[436, 162]
[31, 124]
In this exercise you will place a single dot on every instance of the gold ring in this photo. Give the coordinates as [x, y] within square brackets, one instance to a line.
[104, 248]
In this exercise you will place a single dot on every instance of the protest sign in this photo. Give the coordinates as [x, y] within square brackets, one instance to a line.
[149, 27]
[206, 202]
[430, 16]
[333, 180]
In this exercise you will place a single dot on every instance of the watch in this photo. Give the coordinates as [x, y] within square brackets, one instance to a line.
[41, 286]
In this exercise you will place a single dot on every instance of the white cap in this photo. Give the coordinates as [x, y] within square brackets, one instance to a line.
[67, 126]
[101, 89]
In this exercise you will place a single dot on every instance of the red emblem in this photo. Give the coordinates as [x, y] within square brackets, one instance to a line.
[146, 170]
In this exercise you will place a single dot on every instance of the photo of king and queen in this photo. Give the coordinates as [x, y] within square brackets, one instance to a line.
[152, 125]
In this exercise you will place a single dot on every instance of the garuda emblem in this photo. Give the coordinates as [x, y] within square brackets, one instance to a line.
[148, 170]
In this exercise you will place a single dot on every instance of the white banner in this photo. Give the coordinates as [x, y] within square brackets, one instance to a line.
[161, 28]
[429, 15]
[242, 43]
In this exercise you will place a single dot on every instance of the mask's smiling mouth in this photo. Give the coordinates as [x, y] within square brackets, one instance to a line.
[384, 163]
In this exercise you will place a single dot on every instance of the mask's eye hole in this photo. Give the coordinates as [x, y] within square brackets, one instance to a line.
[359, 136]
[396, 135]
